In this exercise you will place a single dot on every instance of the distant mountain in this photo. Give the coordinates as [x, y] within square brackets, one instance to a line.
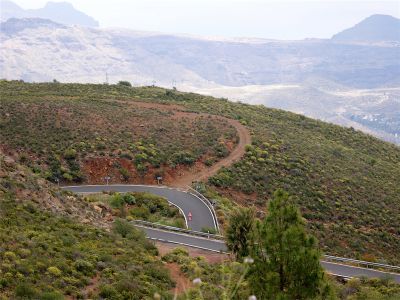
[374, 28]
[61, 12]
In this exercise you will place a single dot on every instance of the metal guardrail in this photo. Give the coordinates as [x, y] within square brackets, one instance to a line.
[208, 203]
[176, 229]
[361, 263]
[331, 258]
[220, 237]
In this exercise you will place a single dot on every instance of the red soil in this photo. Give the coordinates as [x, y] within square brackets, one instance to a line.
[97, 168]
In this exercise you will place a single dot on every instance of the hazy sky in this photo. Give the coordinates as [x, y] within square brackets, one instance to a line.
[232, 18]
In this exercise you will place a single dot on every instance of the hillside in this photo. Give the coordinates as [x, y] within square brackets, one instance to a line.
[64, 253]
[346, 182]
[74, 139]
[344, 82]
[56, 246]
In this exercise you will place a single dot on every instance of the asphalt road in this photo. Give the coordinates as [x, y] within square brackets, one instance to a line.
[185, 239]
[201, 214]
[202, 217]
[218, 246]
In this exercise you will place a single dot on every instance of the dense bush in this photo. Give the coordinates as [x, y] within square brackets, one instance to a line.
[142, 206]
[125, 83]
[57, 131]
[44, 256]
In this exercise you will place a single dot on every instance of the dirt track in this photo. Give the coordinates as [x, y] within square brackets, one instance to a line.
[203, 173]
[235, 155]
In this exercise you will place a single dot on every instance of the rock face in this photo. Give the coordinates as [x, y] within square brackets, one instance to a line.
[375, 28]
[61, 12]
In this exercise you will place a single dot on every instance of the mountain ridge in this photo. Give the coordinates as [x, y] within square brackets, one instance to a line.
[60, 12]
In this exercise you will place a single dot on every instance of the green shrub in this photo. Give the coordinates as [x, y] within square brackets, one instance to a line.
[184, 157]
[70, 154]
[124, 83]
[123, 228]
[9, 255]
[54, 271]
[84, 267]
[108, 292]
[141, 212]
[117, 201]
[125, 174]
[25, 291]
[129, 199]
[51, 296]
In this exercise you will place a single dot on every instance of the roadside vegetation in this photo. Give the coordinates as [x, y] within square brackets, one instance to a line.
[53, 246]
[57, 246]
[140, 206]
[223, 280]
[346, 183]
[275, 259]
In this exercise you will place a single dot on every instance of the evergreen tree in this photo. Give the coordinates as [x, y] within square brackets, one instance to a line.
[238, 233]
[286, 259]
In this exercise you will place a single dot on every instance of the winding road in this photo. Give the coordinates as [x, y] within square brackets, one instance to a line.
[203, 217]
[198, 212]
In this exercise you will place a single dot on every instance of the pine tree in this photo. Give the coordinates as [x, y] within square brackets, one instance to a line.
[286, 259]
[238, 233]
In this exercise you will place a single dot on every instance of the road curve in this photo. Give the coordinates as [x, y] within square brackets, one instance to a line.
[202, 217]
[186, 202]
[219, 246]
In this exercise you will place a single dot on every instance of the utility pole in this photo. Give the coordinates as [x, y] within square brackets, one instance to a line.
[106, 77]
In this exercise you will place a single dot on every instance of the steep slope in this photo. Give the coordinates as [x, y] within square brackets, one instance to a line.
[346, 183]
[374, 29]
[89, 138]
[53, 246]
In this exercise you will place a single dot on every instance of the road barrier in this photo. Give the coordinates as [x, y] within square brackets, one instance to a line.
[366, 264]
[327, 258]
[176, 229]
